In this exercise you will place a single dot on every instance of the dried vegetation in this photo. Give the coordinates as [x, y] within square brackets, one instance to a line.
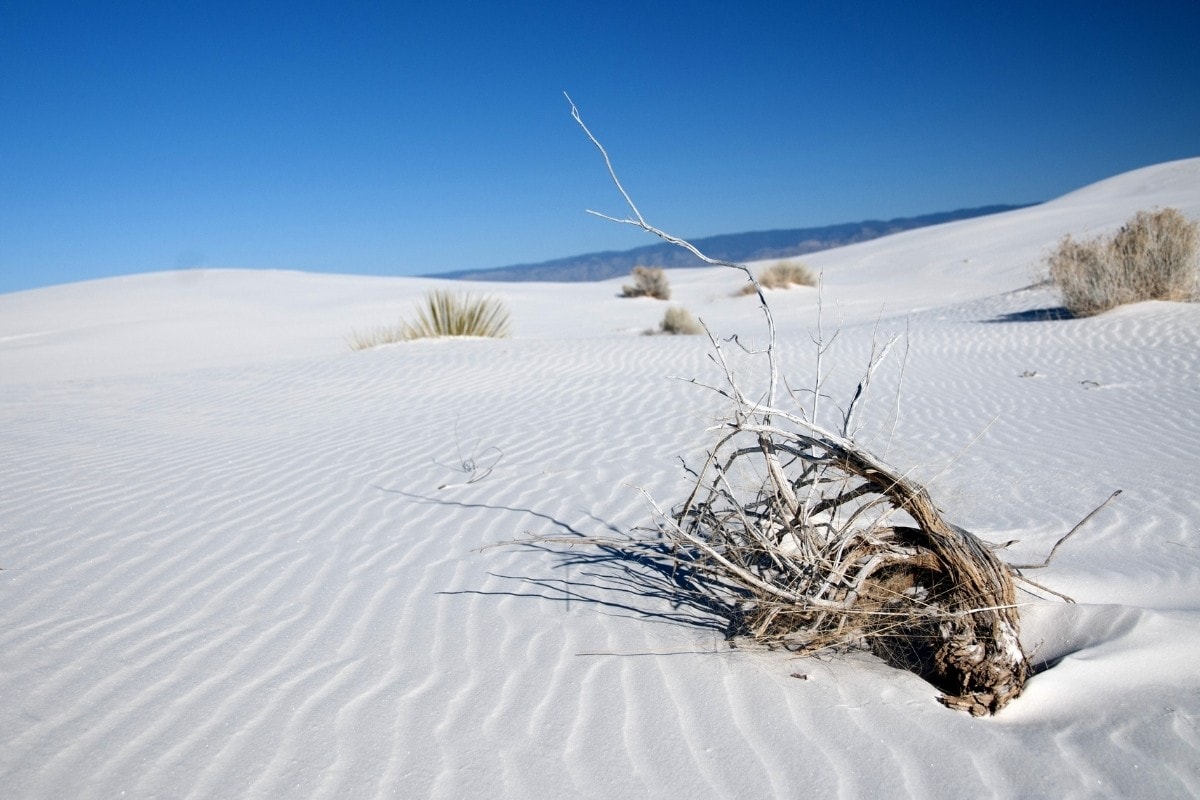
[803, 539]
[679, 321]
[782, 275]
[648, 282]
[1152, 257]
[814, 543]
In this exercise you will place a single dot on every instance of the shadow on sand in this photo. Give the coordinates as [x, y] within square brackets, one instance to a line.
[643, 582]
[1034, 315]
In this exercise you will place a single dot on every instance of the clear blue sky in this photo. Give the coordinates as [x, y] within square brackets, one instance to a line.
[402, 138]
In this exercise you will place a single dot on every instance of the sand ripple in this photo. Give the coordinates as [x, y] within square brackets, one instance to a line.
[246, 581]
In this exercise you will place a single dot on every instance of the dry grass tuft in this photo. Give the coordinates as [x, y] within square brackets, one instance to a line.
[1152, 257]
[782, 275]
[375, 337]
[442, 314]
[648, 282]
[680, 322]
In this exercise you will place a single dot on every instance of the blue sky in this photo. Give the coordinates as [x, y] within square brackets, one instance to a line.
[390, 138]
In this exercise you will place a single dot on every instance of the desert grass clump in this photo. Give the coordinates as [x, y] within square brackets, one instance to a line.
[442, 314]
[1152, 257]
[782, 275]
[375, 337]
[648, 282]
[679, 321]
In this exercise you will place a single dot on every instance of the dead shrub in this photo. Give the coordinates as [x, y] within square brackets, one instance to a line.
[1152, 257]
[680, 322]
[648, 282]
[782, 275]
[802, 538]
[819, 545]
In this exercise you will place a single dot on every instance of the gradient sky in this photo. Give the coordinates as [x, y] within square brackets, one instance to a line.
[397, 138]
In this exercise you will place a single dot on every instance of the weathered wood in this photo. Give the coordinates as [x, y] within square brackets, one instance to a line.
[832, 547]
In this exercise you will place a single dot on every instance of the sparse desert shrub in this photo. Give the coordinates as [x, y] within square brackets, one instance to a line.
[781, 275]
[375, 337]
[800, 537]
[442, 313]
[679, 321]
[1152, 257]
[648, 282]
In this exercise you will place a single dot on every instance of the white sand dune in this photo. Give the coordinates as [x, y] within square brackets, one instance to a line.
[229, 570]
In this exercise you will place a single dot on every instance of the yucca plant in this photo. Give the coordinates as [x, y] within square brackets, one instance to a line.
[441, 314]
[445, 313]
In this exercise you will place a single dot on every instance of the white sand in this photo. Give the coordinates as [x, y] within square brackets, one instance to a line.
[228, 570]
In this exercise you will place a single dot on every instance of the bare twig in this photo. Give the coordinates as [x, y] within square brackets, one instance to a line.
[639, 221]
[1041, 588]
[1068, 535]
[476, 466]
[848, 429]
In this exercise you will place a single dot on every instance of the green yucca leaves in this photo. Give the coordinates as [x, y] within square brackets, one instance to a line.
[442, 313]
[445, 313]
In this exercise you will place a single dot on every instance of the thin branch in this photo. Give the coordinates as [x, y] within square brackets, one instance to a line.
[638, 221]
[848, 429]
[1068, 535]
[899, 384]
[612, 173]
[1046, 589]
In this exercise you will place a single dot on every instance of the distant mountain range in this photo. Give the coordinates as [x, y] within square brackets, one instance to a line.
[736, 247]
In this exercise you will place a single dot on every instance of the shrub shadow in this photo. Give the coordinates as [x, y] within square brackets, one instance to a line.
[1034, 315]
[649, 585]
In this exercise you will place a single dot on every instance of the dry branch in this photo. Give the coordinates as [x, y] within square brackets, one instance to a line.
[812, 542]
[1046, 562]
